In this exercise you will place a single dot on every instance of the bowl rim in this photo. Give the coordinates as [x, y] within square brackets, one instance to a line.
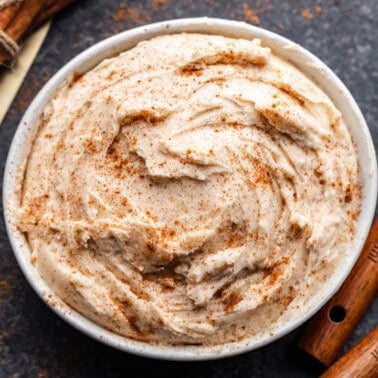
[23, 139]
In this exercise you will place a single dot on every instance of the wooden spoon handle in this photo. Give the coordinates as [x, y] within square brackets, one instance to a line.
[330, 328]
[360, 361]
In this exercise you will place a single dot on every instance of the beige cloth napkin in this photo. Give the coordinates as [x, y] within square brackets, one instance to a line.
[11, 80]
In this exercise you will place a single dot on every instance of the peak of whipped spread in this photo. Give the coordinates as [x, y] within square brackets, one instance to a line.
[195, 189]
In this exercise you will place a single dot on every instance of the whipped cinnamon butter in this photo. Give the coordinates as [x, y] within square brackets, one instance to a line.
[195, 189]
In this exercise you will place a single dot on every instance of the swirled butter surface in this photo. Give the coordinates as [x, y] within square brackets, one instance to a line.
[195, 189]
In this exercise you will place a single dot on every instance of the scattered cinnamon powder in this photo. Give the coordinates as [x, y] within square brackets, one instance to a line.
[287, 300]
[75, 79]
[348, 193]
[123, 164]
[250, 15]
[353, 214]
[231, 301]
[310, 14]
[307, 14]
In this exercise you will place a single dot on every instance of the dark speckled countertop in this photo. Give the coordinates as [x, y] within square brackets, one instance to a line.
[34, 342]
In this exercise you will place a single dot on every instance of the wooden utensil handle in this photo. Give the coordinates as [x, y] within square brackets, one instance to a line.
[360, 361]
[328, 331]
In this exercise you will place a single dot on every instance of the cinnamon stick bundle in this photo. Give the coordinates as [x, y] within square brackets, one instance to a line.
[18, 18]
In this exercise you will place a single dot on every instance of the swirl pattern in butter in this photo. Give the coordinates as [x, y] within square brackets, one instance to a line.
[195, 189]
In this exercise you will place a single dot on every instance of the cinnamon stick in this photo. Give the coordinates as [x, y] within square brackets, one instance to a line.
[21, 22]
[24, 18]
[7, 14]
[360, 361]
[20, 19]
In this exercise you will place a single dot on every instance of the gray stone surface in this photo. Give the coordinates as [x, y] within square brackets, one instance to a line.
[34, 342]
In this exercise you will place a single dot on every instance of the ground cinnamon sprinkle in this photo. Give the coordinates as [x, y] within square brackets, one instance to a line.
[75, 79]
[250, 15]
[231, 301]
[307, 14]
[274, 275]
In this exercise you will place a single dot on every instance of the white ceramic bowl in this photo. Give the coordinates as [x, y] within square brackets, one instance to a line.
[307, 62]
